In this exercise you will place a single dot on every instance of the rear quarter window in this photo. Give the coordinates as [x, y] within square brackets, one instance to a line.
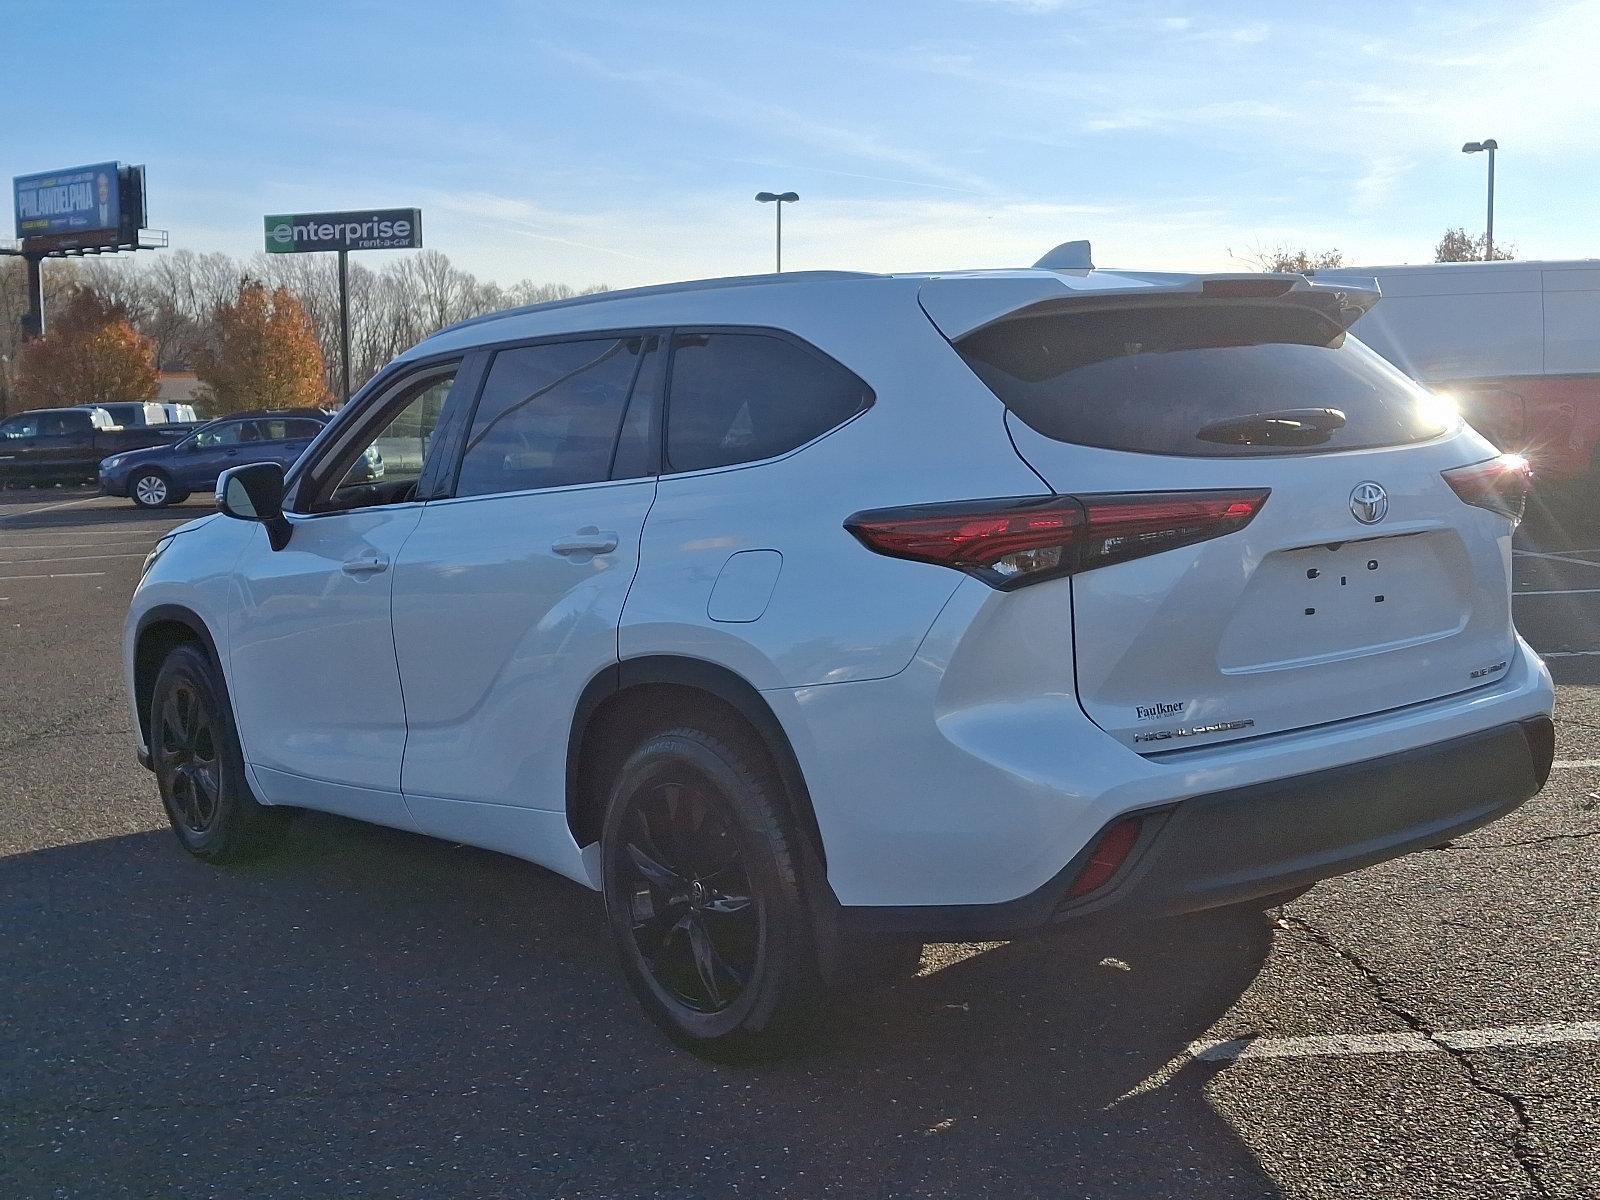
[1196, 379]
[743, 397]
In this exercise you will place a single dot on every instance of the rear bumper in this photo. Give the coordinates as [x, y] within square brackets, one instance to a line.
[1245, 843]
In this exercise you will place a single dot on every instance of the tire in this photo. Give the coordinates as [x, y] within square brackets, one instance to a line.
[199, 766]
[151, 489]
[704, 897]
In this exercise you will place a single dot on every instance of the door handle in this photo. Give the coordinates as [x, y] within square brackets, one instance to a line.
[369, 565]
[587, 540]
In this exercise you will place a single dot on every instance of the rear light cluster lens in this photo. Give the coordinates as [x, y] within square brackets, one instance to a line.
[1501, 485]
[1011, 542]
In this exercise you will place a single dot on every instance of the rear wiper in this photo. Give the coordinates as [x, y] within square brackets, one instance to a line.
[1285, 427]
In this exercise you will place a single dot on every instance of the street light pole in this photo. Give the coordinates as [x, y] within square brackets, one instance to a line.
[1491, 146]
[779, 199]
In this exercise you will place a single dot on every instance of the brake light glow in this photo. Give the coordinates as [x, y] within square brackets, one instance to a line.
[1501, 485]
[1019, 540]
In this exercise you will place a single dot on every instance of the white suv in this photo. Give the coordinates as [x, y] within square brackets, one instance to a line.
[803, 612]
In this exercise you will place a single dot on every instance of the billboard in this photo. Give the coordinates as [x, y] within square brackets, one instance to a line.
[369, 229]
[74, 201]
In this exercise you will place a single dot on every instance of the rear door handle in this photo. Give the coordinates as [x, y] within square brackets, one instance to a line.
[587, 540]
[367, 565]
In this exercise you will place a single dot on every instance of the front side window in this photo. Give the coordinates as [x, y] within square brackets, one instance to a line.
[385, 468]
[549, 416]
[742, 397]
[217, 436]
[20, 427]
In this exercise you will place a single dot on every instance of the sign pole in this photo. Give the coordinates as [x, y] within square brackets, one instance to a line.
[344, 320]
[33, 319]
[367, 229]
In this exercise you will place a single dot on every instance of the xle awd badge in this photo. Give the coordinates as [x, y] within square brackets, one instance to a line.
[1369, 502]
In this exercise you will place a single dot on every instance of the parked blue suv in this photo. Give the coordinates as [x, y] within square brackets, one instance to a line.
[161, 475]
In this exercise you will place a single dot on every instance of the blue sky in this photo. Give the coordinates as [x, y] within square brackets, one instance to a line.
[622, 143]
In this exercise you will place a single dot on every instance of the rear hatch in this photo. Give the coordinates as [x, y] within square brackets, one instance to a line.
[1363, 582]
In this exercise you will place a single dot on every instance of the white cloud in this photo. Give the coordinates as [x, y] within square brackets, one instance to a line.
[1375, 183]
[714, 102]
[636, 242]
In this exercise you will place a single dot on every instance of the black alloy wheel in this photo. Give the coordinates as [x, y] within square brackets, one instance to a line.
[693, 918]
[186, 758]
[703, 886]
[199, 766]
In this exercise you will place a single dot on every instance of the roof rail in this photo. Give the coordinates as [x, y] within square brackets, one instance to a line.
[656, 289]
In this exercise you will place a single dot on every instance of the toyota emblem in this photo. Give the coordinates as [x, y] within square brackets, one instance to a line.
[1369, 503]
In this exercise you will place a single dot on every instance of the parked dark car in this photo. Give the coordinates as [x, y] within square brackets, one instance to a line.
[157, 476]
[64, 445]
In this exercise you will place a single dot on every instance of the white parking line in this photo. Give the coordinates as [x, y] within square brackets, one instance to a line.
[1347, 1045]
[1574, 764]
[100, 545]
[1581, 562]
[1342, 1045]
[17, 562]
[26, 512]
[1554, 592]
[62, 575]
[1568, 653]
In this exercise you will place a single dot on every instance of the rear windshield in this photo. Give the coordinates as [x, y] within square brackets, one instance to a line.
[1207, 379]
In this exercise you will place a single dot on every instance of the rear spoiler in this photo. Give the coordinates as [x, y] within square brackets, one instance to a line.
[963, 304]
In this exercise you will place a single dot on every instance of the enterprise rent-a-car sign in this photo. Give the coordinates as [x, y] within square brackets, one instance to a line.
[77, 200]
[375, 229]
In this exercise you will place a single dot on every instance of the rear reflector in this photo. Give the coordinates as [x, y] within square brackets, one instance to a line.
[1501, 485]
[1110, 852]
[1011, 542]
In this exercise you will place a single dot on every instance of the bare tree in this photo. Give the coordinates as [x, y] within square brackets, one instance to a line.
[1457, 245]
[173, 299]
[1294, 259]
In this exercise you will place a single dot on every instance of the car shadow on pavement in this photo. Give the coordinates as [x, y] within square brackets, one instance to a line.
[370, 1012]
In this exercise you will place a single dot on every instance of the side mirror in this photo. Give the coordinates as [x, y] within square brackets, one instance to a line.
[254, 492]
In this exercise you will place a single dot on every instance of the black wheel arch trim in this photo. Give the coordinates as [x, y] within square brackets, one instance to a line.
[177, 614]
[740, 695]
[718, 681]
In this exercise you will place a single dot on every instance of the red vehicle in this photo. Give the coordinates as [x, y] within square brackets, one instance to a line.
[1515, 344]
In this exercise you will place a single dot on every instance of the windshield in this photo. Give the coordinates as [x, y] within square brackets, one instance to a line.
[1164, 379]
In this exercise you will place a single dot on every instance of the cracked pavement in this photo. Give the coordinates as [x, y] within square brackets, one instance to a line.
[376, 1014]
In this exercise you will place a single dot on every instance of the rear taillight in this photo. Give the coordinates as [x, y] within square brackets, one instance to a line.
[1011, 542]
[1501, 485]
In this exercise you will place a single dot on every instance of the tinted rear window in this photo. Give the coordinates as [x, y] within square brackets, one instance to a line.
[1155, 379]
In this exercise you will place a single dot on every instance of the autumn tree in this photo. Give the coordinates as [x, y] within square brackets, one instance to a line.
[90, 354]
[261, 352]
[1457, 245]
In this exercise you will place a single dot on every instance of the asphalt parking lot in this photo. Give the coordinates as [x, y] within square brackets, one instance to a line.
[372, 1013]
